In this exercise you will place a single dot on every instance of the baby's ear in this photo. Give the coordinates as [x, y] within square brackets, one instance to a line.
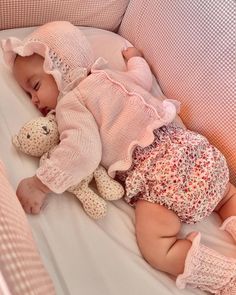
[16, 142]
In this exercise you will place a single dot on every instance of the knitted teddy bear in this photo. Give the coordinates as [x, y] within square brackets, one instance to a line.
[39, 137]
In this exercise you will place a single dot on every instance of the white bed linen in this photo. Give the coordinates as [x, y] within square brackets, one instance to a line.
[84, 256]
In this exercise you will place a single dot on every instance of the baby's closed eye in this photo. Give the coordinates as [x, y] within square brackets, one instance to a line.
[36, 86]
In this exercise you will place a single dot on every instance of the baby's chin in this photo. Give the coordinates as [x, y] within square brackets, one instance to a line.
[45, 111]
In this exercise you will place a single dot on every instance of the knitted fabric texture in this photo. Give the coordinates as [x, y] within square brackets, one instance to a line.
[100, 117]
[101, 121]
[67, 52]
[229, 225]
[208, 270]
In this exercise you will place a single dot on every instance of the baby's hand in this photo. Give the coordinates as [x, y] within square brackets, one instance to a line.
[131, 52]
[31, 193]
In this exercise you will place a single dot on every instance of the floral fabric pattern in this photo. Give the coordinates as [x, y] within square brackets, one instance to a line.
[180, 170]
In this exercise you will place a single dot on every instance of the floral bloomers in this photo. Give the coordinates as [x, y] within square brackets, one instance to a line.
[180, 170]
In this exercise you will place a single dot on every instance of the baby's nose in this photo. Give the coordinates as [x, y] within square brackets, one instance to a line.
[35, 100]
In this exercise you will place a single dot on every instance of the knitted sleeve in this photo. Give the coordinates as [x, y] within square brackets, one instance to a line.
[79, 151]
[139, 70]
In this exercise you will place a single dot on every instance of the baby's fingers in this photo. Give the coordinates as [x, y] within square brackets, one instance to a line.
[30, 208]
[127, 53]
[131, 52]
[26, 206]
[35, 208]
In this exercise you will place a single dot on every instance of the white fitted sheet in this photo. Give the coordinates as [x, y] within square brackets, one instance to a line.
[84, 256]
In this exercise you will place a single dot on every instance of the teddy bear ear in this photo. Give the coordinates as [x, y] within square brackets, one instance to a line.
[51, 115]
[15, 141]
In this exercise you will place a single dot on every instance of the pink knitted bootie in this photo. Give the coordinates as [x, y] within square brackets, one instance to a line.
[229, 225]
[208, 270]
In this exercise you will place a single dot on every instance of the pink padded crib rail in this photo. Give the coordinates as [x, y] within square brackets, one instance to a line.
[20, 263]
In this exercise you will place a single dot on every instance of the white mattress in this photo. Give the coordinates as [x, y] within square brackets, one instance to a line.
[84, 256]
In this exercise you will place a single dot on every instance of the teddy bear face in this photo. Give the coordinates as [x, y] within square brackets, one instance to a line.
[37, 136]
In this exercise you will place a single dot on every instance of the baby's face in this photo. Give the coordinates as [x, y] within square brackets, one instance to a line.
[41, 87]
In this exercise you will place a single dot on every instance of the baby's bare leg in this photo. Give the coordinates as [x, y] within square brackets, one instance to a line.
[227, 207]
[156, 230]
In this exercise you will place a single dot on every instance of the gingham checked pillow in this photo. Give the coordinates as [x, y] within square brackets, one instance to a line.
[106, 14]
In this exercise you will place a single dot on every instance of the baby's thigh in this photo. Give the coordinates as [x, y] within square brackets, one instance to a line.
[156, 230]
[152, 223]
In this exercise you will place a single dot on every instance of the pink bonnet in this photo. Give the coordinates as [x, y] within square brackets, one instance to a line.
[67, 52]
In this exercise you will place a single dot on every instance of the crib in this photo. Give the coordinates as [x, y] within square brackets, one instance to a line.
[191, 48]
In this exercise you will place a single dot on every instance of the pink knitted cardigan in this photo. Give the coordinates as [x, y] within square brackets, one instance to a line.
[102, 120]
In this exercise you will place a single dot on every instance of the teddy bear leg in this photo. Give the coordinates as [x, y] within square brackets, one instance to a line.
[93, 205]
[108, 188]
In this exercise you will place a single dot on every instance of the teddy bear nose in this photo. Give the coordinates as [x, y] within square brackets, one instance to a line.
[46, 130]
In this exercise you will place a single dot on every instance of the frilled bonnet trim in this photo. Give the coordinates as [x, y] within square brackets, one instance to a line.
[67, 52]
[65, 79]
